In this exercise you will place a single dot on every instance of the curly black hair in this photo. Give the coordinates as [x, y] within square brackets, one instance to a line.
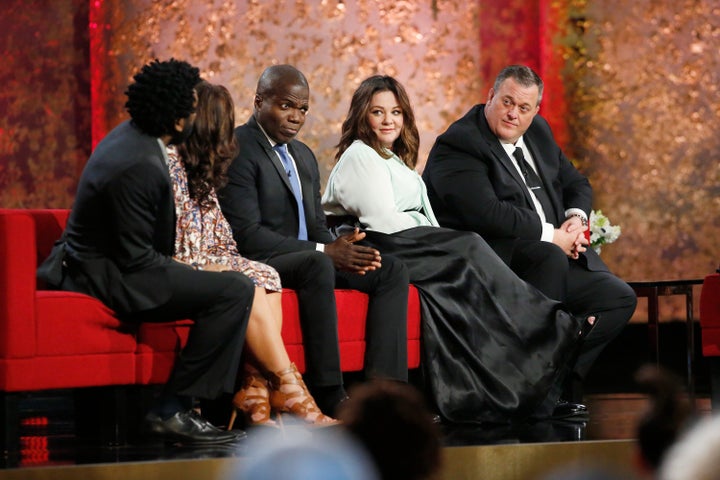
[162, 93]
[211, 147]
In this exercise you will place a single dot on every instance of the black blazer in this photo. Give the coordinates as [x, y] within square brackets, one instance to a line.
[258, 200]
[473, 185]
[119, 239]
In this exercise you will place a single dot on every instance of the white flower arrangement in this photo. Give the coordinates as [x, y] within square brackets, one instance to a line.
[601, 230]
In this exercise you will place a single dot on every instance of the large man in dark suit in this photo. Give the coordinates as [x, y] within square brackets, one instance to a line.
[118, 247]
[274, 223]
[498, 171]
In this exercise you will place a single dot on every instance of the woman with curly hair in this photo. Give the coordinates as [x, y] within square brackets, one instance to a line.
[495, 348]
[204, 239]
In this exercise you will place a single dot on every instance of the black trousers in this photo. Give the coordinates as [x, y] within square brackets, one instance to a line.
[219, 303]
[584, 292]
[314, 277]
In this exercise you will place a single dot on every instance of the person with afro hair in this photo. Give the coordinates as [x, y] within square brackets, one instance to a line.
[118, 247]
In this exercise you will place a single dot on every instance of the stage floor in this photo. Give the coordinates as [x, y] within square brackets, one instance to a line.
[50, 449]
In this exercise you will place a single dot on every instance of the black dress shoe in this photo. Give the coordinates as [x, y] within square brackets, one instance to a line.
[189, 428]
[565, 409]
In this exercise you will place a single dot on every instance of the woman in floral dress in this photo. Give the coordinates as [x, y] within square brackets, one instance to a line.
[204, 240]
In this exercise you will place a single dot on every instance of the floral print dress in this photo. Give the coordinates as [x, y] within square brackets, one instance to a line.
[203, 235]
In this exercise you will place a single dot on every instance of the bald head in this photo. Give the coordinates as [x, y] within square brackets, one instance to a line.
[282, 100]
[278, 78]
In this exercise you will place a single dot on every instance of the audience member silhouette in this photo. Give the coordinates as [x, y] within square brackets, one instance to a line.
[695, 455]
[394, 424]
[302, 454]
[668, 414]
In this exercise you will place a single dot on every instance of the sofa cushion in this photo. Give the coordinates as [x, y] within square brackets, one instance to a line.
[413, 332]
[157, 346]
[66, 371]
[71, 323]
[352, 309]
[17, 284]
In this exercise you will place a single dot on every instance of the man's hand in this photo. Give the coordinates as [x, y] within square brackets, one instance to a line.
[572, 243]
[353, 258]
[575, 225]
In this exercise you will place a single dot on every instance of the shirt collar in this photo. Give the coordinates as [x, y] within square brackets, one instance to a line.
[272, 142]
[163, 149]
[510, 148]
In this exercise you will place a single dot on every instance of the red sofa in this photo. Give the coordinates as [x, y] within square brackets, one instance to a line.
[710, 332]
[61, 340]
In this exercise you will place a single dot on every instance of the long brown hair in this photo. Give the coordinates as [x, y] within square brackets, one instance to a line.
[211, 147]
[357, 127]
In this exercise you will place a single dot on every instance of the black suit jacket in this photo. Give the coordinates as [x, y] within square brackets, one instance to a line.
[118, 241]
[258, 200]
[473, 185]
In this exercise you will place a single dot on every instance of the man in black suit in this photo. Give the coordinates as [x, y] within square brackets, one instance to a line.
[278, 220]
[118, 247]
[498, 171]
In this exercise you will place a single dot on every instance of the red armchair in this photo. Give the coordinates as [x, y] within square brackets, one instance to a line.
[710, 332]
[64, 340]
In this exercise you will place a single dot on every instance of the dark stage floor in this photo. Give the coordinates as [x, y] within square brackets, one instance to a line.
[48, 434]
[49, 438]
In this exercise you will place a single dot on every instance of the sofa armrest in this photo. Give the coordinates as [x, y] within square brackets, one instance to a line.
[710, 301]
[710, 315]
[18, 263]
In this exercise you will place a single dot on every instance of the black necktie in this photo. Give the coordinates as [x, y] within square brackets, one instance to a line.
[535, 185]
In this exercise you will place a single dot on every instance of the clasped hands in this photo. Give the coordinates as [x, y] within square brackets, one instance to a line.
[571, 237]
[343, 252]
[353, 258]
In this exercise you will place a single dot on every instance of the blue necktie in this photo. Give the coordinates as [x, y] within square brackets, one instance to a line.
[287, 162]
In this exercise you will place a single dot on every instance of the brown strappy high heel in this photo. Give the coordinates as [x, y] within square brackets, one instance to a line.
[255, 406]
[295, 400]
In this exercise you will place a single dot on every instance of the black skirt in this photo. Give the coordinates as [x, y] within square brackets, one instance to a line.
[493, 345]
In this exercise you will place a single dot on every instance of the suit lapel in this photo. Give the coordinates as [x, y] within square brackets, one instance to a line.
[501, 155]
[303, 171]
[305, 181]
[542, 168]
[270, 153]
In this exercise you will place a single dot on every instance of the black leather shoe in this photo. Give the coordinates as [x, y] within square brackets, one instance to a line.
[436, 418]
[565, 409]
[189, 428]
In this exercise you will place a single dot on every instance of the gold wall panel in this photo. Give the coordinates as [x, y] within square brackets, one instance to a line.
[636, 104]
[431, 47]
[44, 101]
[642, 84]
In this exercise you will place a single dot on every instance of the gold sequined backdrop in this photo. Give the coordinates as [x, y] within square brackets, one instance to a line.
[431, 47]
[643, 81]
[632, 90]
[44, 101]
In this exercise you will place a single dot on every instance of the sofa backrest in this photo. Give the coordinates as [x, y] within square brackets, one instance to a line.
[49, 225]
[710, 302]
[26, 236]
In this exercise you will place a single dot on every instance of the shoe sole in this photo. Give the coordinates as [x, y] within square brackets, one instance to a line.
[583, 415]
[174, 439]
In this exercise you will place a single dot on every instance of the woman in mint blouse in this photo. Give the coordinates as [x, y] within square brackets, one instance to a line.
[493, 346]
